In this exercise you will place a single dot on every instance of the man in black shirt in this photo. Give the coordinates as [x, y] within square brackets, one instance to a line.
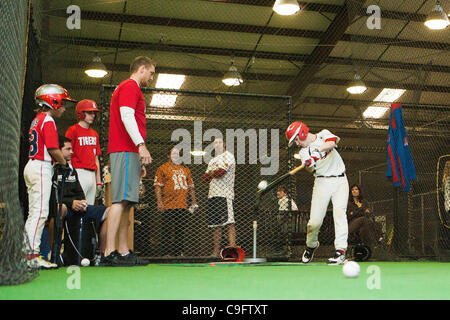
[74, 200]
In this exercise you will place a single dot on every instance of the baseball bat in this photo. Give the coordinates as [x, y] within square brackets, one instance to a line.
[280, 179]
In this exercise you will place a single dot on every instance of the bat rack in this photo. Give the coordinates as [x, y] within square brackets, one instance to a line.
[254, 259]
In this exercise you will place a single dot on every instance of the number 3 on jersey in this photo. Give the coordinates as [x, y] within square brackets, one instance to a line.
[33, 143]
[179, 181]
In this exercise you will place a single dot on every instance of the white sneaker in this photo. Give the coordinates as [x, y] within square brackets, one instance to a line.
[339, 258]
[40, 263]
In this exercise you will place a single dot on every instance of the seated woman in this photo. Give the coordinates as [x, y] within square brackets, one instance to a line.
[360, 218]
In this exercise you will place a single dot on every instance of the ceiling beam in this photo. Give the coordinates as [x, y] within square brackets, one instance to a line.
[334, 33]
[245, 28]
[266, 77]
[365, 103]
[330, 8]
[92, 42]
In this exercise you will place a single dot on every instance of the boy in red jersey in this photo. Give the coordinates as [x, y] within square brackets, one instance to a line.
[86, 149]
[128, 157]
[38, 172]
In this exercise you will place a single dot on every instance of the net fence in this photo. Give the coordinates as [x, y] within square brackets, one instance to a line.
[311, 57]
[13, 35]
[164, 226]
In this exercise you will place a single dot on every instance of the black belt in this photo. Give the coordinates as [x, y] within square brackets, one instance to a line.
[341, 175]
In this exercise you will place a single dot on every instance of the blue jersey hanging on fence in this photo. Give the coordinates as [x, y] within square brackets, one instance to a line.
[401, 168]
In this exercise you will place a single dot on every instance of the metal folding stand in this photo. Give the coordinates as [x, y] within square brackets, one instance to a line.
[254, 259]
[57, 239]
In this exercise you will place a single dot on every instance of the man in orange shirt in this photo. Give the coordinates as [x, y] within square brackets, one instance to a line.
[173, 184]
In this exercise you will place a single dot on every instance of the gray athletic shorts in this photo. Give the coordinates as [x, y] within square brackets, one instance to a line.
[125, 176]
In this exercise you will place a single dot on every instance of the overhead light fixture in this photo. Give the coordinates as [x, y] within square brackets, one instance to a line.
[167, 81]
[232, 77]
[297, 155]
[357, 86]
[96, 69]
[437, 19]
[286, 7]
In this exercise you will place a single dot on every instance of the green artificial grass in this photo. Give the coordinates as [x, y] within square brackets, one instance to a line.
[284, 281]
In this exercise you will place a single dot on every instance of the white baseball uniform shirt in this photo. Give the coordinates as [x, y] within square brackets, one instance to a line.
[332, 164]
[223, 186]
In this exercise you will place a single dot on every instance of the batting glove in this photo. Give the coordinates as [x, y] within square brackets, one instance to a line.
[99, 191]
[311, 161]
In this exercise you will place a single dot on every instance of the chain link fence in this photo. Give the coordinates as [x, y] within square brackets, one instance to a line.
[311, 57]
[255, 151]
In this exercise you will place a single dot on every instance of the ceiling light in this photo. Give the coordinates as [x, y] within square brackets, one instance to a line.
[163, 100]
[297, 155]
[167, 81]
[232, 77]
[357, 86]
[170, 81]
[286, 7]
[437, 19]
[389, 95]
[375, 112]
[96, 69]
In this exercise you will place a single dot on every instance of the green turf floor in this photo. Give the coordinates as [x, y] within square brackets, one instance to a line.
[385, 280]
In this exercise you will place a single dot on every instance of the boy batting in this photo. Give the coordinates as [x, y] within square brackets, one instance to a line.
[319, 155]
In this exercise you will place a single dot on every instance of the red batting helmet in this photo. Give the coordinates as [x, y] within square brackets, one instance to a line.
[52, 96]
[296, 128]
[85, 105]
[232, 254]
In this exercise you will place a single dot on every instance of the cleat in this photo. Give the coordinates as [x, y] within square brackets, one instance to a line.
[308, 254]
[130, 259]
[39, 262]
[338, 259]
[112, 260]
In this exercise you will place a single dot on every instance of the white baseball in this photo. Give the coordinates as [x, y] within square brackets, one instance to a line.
[262, 185]
[85, 262]
[351, 269]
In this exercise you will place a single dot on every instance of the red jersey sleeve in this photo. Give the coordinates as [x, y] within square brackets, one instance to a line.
[129, 95]
[50, 135]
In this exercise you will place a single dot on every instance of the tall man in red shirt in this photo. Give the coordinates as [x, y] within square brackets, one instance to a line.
[128, 158]
[86, 149]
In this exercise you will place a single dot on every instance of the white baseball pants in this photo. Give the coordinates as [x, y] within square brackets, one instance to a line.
[335, 189]
[88, 184]
[38, 179]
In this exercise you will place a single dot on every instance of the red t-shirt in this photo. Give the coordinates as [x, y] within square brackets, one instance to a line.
[43, 136]
[85, 146]
[127, 94]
